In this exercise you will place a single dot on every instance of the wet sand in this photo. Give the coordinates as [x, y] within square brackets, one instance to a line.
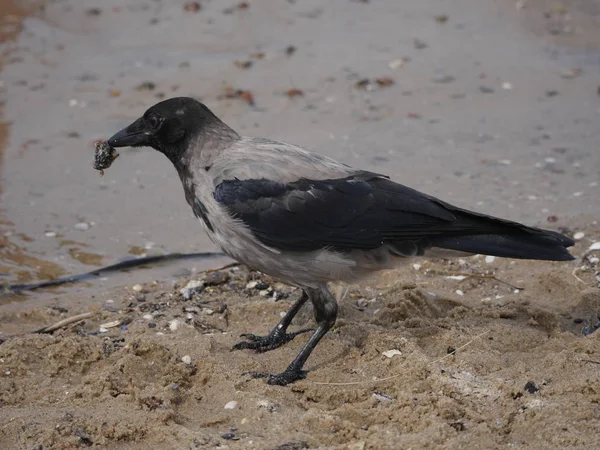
[489, 106]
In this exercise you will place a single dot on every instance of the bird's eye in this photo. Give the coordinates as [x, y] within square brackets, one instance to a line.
[153, 122]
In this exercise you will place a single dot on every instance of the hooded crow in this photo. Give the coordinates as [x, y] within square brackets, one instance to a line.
[306, 219]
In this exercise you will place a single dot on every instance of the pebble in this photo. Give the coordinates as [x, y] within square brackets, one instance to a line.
[82, 226]
[396, 64]
[531, 387]
[251, 284]
[216, 278]
[262, 285]
[362, 303]
[269, 406]
[391, 353]
[507, 86]
[138, 288]
[187, 359]
[456, 277]
[459, 292]
[381, 397]
[147, 316]
[579, 235]
[174, 324]
[50, 234]
[228, 436]
[231, 405]
[416, 266]
[594, 246]
[490, 259]
[193, 287]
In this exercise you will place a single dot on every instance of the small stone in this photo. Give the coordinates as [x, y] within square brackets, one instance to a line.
[191, 7]
[459, 292]
[138, 288]
[269, 406]
[50, 234]
[82, 226]
[594, 246]
[228, 436]
[380, 397]
[193, 287]
[187, 359]
[456, 277]
[531, 387]
[231, 405]
[391, 353]
[147, 317]
[486, 90]
[396, 64]
[507, 86]
[216, 278]
[262, 285]
[174, 324]
[490, 259]
[362, 303]
[579, 235]
[251, 284]
[416, 266]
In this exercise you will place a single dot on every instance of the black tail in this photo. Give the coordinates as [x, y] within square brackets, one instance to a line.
[543, 245]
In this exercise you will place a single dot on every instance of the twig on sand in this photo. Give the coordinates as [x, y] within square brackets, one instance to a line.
[406, 361]
[590, 361]
[65, 322]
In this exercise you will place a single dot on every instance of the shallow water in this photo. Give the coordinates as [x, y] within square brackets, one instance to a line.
[491, 110]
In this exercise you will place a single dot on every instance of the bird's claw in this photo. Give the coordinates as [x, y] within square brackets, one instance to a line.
[281, 379]
[262, 344]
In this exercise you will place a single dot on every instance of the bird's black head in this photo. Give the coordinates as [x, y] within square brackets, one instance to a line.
[168, 126]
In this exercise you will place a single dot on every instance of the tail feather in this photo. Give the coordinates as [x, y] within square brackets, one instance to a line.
[541, 245]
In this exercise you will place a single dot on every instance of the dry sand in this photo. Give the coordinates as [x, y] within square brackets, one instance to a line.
[523, 373]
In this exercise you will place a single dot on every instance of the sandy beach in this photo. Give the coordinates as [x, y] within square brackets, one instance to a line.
[489, 105]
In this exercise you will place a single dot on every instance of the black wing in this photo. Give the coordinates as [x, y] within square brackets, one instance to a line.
[362, 211]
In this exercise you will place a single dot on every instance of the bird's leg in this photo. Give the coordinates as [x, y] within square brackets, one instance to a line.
[278, 336]
[326, 309]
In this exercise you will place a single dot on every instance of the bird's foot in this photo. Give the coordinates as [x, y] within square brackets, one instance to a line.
[265, 343]
[281, 379]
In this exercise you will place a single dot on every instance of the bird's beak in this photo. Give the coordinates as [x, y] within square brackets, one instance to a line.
[135, 135]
